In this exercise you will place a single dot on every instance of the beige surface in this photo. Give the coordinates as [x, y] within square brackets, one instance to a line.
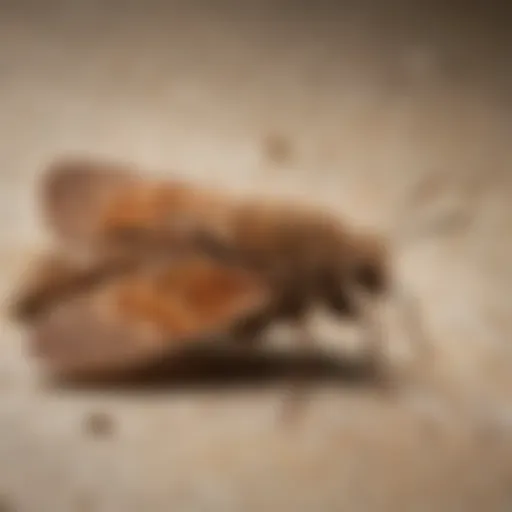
[344, 108]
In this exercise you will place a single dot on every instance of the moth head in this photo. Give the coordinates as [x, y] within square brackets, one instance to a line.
[371, 265]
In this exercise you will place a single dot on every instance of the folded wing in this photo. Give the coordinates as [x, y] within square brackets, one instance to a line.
[127, 320]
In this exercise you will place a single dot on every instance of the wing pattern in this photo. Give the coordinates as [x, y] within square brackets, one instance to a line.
[119, 313]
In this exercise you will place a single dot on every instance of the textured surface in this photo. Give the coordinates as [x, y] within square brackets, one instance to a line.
[344, 108]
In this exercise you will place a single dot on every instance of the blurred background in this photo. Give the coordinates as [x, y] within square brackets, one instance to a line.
[343, 104]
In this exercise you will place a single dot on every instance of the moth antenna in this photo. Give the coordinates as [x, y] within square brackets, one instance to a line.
[412, 224]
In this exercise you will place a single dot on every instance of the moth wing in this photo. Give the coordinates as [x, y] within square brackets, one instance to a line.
[41, 281]
[74, 191]
[52, 277]
[93, 204]
[135, 320]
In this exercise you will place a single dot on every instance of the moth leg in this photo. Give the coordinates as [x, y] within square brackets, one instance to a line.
[373, 339]
[416, 331]
[248, 332]
[298, 394]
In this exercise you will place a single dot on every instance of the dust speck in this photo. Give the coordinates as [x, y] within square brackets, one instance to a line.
[99, 424]
[277, 149]
[85, 503]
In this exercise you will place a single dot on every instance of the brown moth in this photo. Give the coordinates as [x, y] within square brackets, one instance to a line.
[304, 256]
[123, 233]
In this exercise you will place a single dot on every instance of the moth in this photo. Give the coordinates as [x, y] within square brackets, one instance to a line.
[304, 256]
[148, 265]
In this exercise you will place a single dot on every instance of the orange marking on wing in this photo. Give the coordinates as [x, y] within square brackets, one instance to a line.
[135, 318]
[141, 300]
[190, 299]
[144, 205]
[164, 215]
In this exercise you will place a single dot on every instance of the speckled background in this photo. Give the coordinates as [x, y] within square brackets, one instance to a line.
[340, 106]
